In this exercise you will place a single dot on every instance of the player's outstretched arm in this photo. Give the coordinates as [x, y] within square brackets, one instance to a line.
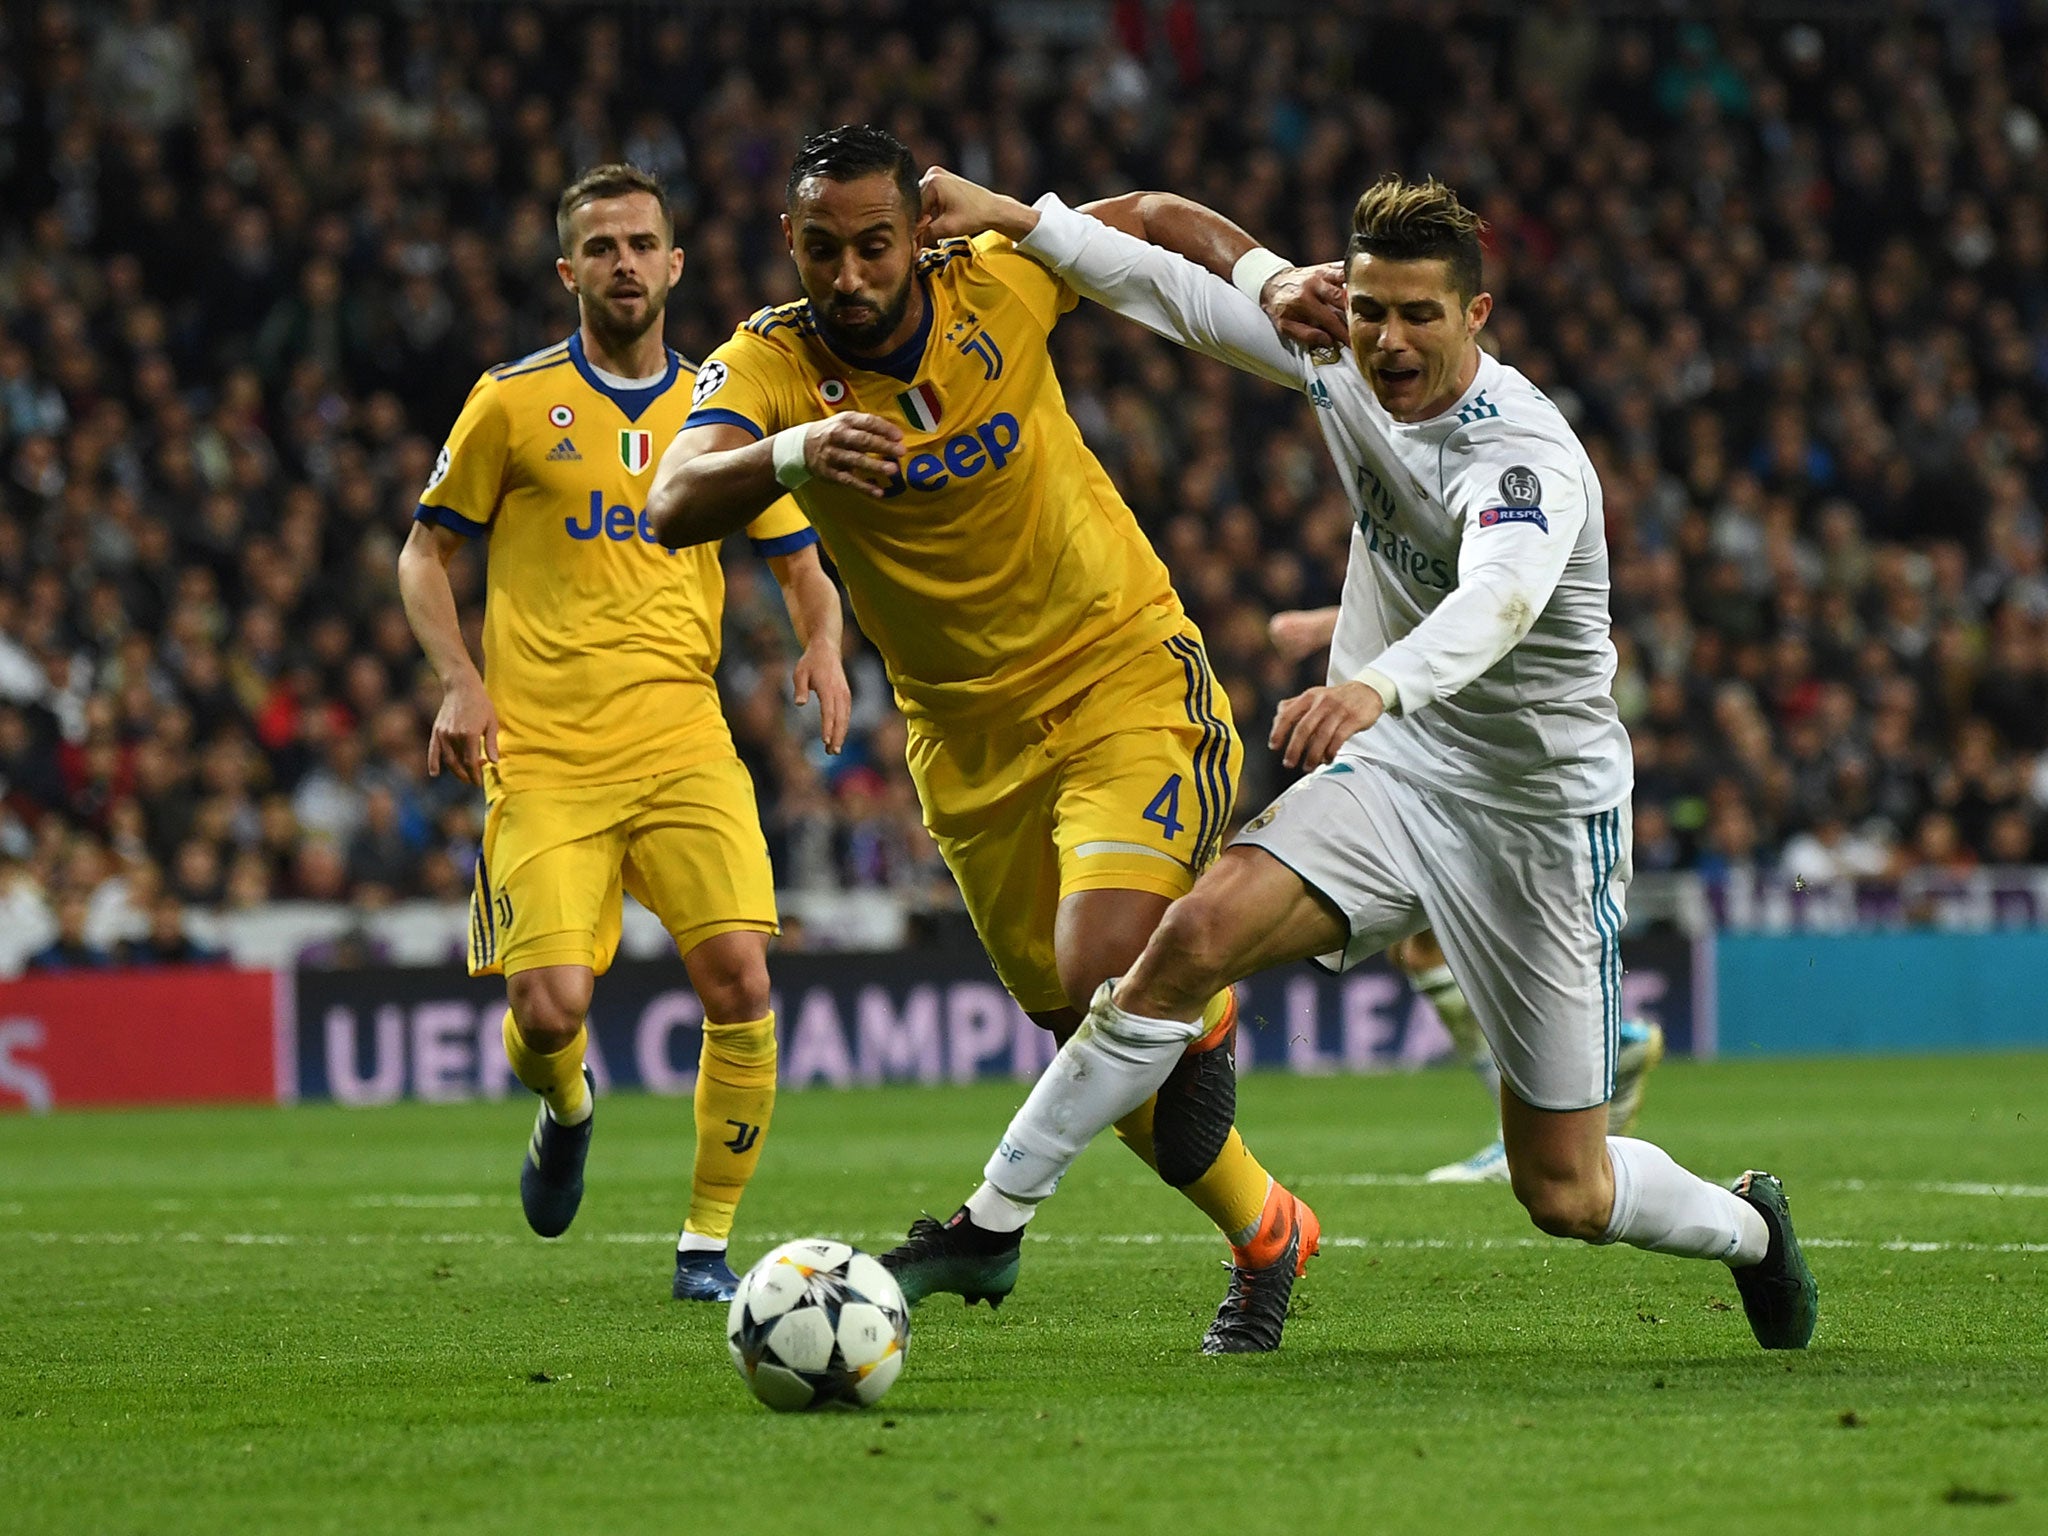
[466, 728]
[1300, 632]
[1305, 304]
[813, 603]
[716, 479]
[1162, 291]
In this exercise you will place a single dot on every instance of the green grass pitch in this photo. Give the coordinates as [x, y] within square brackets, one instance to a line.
[323, 1320]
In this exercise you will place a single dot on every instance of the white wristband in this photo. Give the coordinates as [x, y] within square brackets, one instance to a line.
[1383, 685]
[1254, 269]
[786, 452]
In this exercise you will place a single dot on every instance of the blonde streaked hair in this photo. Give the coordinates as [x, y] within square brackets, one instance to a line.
[1401, 220]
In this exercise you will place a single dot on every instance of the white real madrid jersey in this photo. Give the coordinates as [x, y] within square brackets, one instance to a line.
[1478, 578]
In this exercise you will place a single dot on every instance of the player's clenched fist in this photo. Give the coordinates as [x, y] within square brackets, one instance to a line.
[854, 449]
[1310, 727]
[1307, 306]
[955, 206]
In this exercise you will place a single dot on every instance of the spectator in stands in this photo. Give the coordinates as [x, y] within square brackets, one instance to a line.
[71, 949]
[167, 942]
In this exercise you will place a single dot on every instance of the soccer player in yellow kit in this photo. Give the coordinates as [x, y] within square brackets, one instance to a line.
[595, 728]
[1074, 755]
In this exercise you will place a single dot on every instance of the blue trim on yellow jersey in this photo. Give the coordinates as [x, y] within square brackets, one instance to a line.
[549, 356]
[787, 544]
[631, 402]
[903, 362]
[716, 418]
[796, 312]
[938, 257]
[453, 521]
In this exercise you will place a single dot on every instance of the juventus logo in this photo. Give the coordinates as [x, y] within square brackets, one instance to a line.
[502, 910]
[744, 1137]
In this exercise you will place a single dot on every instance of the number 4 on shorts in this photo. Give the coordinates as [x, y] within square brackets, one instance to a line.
[1165, 807]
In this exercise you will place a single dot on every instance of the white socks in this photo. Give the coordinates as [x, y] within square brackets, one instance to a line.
[1661, 1207]
[1114, 1062]
[994, 1211]
[697, 1242]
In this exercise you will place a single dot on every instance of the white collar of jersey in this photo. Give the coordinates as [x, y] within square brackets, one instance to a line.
[620, 381]
[631, 396]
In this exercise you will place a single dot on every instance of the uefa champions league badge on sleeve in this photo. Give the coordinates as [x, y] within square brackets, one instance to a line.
[710, 380]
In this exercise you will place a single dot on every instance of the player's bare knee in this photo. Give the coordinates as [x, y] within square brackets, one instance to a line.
[1563, 1207]
[735, 995]
[548, 1007]
[1193, 943]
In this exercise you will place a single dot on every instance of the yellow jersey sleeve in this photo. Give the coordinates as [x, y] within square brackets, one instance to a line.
[750, 383]
[468, 481]
[781, 530]
[1044, 295]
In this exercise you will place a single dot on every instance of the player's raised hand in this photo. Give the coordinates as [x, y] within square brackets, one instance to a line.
[953, 205]
[819, 670]
[854, 449]
[465, 731]
[1310, 727]
[1306, 306]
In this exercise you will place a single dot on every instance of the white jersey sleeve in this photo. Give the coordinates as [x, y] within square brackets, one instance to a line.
[1164, 292]
[1519, 505]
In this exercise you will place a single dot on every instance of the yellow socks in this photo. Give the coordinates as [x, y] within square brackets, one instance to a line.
[557, 1077]
[735, 1100]
[1135, 1131]
[1232, 1192]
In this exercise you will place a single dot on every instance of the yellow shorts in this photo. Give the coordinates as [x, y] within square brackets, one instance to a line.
[1125, 787]
[687, 844]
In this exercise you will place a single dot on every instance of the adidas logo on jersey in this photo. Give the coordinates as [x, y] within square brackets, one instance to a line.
[563, 451]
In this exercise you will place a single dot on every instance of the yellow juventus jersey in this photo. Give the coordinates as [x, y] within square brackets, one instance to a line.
[1002, 572]
[599, 645]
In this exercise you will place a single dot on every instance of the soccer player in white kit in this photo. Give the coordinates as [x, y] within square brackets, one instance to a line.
[1471, 774]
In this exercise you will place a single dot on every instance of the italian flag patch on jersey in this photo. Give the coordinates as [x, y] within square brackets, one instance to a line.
[921, 407]
[636, 449]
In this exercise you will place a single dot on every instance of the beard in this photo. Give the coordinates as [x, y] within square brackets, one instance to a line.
[869, 336]
[621, 329]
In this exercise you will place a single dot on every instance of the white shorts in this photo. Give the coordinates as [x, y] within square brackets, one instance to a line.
[1528, 910]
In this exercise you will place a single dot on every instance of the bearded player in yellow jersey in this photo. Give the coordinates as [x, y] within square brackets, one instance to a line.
[1074, 756]
[595, 727]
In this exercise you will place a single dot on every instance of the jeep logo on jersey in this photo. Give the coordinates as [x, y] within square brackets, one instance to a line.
[636, 449]
[710, 379]
[989, 446]
[1519, 487]
[617, 522]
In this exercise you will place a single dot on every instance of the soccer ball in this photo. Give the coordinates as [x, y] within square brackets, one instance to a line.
[818, 1323]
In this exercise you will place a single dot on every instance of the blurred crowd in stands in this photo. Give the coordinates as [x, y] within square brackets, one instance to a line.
[1788, 279]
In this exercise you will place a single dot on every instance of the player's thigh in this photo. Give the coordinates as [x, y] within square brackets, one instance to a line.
[546, 878]
[1100, 933]
[1529, 912]
[1343, 833]
[1248, 913]
[695, 855]
[988, 804]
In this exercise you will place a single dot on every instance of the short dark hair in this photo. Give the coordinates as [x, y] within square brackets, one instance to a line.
[853, 151]
[1399, 220]
[602, 181]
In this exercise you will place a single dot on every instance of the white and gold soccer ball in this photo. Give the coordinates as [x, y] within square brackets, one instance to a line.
[818, 1323]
